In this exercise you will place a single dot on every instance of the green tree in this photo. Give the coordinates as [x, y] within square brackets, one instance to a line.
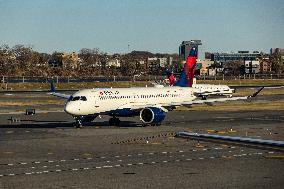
[277, 62]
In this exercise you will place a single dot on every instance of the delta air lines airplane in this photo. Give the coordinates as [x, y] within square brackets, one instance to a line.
[149, 103]
[201, 90]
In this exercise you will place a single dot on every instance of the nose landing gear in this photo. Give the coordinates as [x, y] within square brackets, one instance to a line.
[204, 97]
[78, 122]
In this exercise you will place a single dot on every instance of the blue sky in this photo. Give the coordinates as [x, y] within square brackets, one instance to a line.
[152, 25]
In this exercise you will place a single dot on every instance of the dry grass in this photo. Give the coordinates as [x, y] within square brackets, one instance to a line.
[251, 82]
[68, 86]
[31, 103]
[237, 106]
[265, 91]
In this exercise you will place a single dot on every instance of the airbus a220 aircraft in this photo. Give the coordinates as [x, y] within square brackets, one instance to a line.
[201, 90]
[149, 103]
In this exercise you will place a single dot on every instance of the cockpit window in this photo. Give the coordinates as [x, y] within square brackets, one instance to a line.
[83, 98]
[76, 98]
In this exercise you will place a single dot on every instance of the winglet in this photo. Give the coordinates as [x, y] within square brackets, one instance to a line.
[256, 93]
[52, 88]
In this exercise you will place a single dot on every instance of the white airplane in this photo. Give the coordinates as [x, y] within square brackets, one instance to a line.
[204, 90]
[201, 90]
[149, 103]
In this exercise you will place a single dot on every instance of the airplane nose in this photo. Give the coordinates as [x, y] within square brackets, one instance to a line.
[68, 109]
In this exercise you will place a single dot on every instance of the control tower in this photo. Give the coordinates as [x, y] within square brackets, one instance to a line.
[186, 46]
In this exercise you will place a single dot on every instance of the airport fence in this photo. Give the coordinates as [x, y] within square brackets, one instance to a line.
[57, 79]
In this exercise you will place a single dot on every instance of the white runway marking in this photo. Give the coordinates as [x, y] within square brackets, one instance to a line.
[116, 156]
[130, 164]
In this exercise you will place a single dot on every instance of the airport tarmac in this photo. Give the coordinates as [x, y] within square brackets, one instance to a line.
[46, 151]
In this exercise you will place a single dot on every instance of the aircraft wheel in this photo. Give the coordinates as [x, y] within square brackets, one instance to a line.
[114, 121]
[204, 97]
[111, 121]
[78, 123]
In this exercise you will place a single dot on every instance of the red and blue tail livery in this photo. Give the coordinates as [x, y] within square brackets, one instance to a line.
[187, 75]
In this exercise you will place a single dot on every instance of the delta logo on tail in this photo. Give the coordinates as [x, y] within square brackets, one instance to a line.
[187, 75]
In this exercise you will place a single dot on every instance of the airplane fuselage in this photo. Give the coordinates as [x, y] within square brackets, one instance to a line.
[97, 101]
[208, 89]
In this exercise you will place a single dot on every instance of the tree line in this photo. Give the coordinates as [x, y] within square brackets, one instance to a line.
[21, 60]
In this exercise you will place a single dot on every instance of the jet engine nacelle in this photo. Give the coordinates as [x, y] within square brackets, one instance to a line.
[152, 115]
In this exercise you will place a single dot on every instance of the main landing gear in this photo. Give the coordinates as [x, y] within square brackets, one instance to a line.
[114, 121]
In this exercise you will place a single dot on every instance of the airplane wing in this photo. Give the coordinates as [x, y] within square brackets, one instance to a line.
[211, 101]
[216, 92]
[54, 93]
[166, 106]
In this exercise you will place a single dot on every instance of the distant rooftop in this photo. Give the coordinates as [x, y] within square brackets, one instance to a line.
[192, 42]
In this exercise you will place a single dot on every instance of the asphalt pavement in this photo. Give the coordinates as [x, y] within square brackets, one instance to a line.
[45, 151]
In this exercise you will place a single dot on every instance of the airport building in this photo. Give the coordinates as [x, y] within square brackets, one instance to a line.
[186, 46]
[252, 66]
[224, 58]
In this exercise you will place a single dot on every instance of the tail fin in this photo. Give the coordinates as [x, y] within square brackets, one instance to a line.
[186, 76]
